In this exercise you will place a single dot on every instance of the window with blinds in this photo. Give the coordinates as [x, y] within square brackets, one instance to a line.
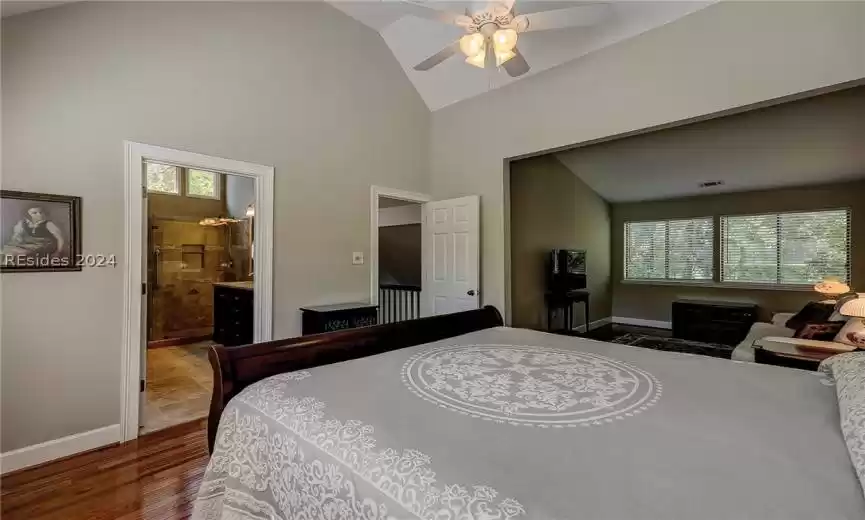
[786, 248]
[669, 250]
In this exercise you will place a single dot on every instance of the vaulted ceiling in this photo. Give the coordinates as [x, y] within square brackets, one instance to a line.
[413, 39]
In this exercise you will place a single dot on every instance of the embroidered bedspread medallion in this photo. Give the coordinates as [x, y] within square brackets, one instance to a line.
[532, 386]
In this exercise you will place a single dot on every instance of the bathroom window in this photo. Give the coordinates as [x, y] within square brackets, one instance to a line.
[189, 182]
[163, 178]
[202, 183]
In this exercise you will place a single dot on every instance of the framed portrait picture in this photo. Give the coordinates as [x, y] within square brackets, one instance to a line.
[40, 232]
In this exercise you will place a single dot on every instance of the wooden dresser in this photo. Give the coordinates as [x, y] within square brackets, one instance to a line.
[713, 321]
[232, 313]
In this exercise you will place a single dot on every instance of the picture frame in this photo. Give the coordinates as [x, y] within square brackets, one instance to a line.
[39, 232]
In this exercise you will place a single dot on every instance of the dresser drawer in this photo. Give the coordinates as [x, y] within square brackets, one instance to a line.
[233, 321]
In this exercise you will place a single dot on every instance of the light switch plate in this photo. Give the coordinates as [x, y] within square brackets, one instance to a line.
[357, 258]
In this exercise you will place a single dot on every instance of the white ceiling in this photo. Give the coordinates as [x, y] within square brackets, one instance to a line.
[413, 39]
[811, 141]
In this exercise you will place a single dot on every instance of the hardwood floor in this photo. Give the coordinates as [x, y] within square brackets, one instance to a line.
[154, 478]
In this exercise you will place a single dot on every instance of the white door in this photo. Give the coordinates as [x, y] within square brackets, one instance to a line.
[451, 255]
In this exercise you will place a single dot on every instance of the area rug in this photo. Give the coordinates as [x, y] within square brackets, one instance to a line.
[675, 345]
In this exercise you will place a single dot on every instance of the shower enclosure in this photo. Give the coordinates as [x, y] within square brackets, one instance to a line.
[186, 257]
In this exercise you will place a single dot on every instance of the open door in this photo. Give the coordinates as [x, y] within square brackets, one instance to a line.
[147, 288]
[451, 254]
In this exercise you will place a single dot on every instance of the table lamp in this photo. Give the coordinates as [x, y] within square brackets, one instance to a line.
[853, 332]
[832, 287]
[854, 309]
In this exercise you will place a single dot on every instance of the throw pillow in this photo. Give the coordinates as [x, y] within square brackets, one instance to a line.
[812, 312]
[819, 331]
[853, 333]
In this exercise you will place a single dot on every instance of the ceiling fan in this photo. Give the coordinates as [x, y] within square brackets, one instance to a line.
[492, 33]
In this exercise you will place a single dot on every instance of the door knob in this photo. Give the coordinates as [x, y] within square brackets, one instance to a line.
[471, 292]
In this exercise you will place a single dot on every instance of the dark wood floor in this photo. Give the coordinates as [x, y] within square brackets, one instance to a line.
[153, 478]
[613, 330]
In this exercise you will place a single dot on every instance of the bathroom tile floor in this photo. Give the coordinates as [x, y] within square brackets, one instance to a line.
[179, 385]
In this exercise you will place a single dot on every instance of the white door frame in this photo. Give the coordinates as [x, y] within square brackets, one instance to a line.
[133, 278]
[376, 192]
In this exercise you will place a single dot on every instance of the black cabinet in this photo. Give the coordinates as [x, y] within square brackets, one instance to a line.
[713, 321]
[232, 314]
[338, 316]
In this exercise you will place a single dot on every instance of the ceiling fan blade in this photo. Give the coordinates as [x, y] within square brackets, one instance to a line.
[581, 16]
[438, 57]
[427, 11]
[516, 66]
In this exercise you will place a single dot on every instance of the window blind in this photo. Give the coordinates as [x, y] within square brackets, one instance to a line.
[799, 248]
[669, 250]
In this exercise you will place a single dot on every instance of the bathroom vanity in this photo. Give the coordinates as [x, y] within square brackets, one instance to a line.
[232, 313]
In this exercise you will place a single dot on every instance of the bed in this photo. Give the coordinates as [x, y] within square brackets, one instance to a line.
[459, 417]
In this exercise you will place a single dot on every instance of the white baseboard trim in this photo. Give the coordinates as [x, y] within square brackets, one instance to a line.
[594, 324]
[58, 448]
[643, 323]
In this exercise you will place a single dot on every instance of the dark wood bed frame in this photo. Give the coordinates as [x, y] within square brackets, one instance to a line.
[235, 368]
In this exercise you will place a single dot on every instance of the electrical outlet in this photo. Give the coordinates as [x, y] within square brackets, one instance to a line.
[357, 258]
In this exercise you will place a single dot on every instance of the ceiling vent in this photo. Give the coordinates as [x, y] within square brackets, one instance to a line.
[711, 184]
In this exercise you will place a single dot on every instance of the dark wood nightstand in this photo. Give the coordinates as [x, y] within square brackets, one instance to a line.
[338, 316]
[787, 352]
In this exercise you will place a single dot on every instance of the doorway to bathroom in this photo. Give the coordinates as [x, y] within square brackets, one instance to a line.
[204, 249]
[199, 244]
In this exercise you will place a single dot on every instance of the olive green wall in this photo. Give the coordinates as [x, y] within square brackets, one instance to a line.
[552, 208]
[653, 302]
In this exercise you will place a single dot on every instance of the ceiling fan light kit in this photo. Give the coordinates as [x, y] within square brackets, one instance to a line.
[493, 32]
[472, 44]
[479, 58]
[475, 46]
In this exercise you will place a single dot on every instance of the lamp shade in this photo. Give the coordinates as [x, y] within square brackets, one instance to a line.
[505, 40]
[479, 59]
[854, 308]
[472, 44]
[502, 57]
[831, 287]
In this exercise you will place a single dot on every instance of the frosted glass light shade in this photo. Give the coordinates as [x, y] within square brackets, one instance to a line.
[854, 308]
[503, 56]
[832, 287]
[472, 44]
[479, 59]
[504, 40]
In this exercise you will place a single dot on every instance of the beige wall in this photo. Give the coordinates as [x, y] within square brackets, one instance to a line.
[331, 110]
[653, 302]
[728, 55]
[551, 208]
